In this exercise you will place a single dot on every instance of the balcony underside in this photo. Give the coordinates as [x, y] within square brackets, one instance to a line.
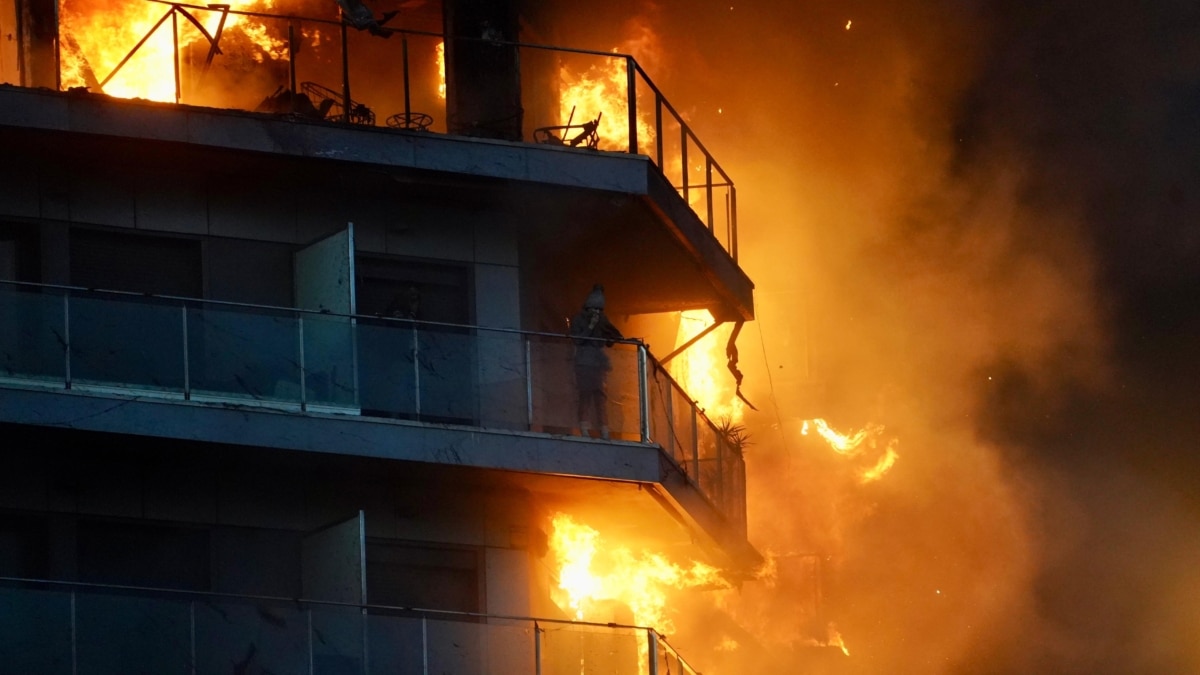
[626, 224]
[629, 488]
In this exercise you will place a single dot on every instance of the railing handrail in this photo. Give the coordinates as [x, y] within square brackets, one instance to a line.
[310, 601]
[315, 312]
[365, 607]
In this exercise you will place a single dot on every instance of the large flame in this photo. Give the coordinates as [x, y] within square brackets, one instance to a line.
[603, 87]
[700, 370]
[592, 571]
[98, 34]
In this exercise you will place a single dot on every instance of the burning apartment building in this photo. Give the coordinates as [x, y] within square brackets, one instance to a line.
[285, 379]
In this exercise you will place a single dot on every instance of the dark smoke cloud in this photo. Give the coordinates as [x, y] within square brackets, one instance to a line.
[977, 224]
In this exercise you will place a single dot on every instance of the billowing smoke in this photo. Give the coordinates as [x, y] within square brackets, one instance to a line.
[960, 218]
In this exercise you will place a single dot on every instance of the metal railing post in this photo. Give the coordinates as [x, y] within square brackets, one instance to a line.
[652, 643]
[708, 187]
[345, 75]
[683, 162]
[308, 615]
[292, 62]
[631, 84]
[537, 649]
[528, 384]
[187, 375]
[303, 379]
[67, 340]
[733, 241]
[658, 129]
[192, 632]
[695, 438]
[416, 354]
[672, 437]
[424, 645]
[175, 42]
[643, 394]
[74, 637]
[407, 95]
[722, 448]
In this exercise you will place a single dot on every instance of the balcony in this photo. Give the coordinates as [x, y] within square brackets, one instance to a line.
[370, 386]
[57, 627]
[314, 69]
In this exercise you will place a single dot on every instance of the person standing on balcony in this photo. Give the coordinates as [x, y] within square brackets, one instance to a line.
[593, 333]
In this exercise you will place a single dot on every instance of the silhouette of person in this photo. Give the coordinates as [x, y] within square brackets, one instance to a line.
[593, 333]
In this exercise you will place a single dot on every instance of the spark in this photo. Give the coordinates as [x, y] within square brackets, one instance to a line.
[848, 24]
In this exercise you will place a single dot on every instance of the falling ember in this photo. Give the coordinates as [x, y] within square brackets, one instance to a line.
[591, 573]
[848, 24]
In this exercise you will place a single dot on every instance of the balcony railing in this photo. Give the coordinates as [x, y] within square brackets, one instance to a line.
[311, 63]
[60, 627]
[306, 361]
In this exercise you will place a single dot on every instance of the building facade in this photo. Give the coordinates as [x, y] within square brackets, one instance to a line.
[288, 389]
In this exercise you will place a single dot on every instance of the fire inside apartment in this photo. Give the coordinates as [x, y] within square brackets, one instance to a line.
[287, 380]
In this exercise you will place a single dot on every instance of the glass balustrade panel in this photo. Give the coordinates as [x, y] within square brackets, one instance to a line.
[33, 335]
[127, 342]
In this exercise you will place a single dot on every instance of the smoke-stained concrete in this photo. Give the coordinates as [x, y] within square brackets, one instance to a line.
[974, 223]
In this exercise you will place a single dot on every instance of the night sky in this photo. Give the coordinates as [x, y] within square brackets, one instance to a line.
[977, 223]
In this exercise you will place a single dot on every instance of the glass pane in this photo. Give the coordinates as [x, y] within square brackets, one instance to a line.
[446, 368]
[502, 380]
[121, 635]
[250, 637]
[32, 333]
[456, 647]
[555, 400]
[624, 393]
[337, 646]
[35, 631]
[387, 375]
[329, 361]
[683, 415]
[395, 644]
[709, 465]
[659, 388]
[238, 353]
[569, 650]
[510, 646]
[128, 342]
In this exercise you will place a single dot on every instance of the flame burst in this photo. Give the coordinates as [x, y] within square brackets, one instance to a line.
[591, 572]
[700, 369]
[98, 35]
[853, 445]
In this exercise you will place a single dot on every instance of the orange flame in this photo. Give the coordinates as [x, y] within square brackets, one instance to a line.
[835, 640]
[602, 88]
[852, 445]
[440, 57]
[590, 572]
[700, 369]
[97, 35]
